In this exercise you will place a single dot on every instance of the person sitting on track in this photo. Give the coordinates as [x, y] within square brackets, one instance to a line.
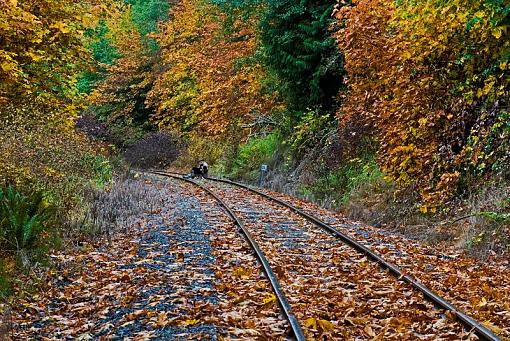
[204, 168]
[200, 171]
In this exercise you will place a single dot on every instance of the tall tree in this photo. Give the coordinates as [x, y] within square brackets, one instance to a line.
[42, 53]
[432, 77]
[120, 97]
[144, 16]
[211, 83]
[299, 48]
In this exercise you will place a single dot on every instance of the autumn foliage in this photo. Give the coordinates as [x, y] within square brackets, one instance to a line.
[44, 162]
[42, 54]
[123, 91]
[431, 78]
[209, 84]
[427, 81]
[429, 92]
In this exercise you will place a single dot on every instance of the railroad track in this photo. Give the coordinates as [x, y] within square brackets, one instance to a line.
[299, 266]
[297, 331]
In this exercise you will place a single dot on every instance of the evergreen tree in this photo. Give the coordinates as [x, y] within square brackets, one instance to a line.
[103, 53]
[299, 48]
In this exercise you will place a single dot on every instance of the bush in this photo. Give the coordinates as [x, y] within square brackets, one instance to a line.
[24, 222]
[217, 152]
[40, 157]
[339, 185]
[155, 150]
[95, 129]
[102, 169]
[255, 152]
[437, 98]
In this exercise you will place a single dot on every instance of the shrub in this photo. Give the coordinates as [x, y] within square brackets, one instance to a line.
[313, 130]
[217, 153]
[340, 184]
[155, 150]
[91, 126]
[102, 169]
[434, 91]
[37, 156]
[121, 132]
[24, 222]
[255, 152]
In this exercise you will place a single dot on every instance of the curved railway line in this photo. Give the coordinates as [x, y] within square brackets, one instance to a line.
[245, 217]
[282, 300]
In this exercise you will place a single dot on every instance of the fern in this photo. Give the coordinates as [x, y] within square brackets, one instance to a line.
[22, 219]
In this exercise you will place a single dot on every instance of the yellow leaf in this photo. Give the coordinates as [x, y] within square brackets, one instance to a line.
[488, 87]
[326, 325]
[241, 272]
[311, 323]
[7, 66]
[270, 298]
[191, 322]
[35, 57]
[61, 26]
[492, 327]
[498, 32]
[368, 330]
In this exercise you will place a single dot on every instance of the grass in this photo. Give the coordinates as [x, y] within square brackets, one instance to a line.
[118, 207]
[339, 186]
[256, 152]
[486, 227]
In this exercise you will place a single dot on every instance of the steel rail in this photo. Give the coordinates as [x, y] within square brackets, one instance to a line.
[480, 330]
[282, 300]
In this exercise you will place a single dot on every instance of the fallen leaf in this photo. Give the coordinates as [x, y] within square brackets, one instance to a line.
[369, 331]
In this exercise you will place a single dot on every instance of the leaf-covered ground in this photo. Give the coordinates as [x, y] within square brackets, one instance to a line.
[337, 293]
[182, 271]
[480, 289]
[176, 274]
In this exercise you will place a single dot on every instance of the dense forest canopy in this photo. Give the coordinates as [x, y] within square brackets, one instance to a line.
[430, 94]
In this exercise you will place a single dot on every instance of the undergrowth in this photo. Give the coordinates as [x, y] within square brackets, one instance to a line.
[118, 207]
[338, 186]
[36, 211]
[27, 230]
[155, 150]
[256, 152]
[358, 188]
